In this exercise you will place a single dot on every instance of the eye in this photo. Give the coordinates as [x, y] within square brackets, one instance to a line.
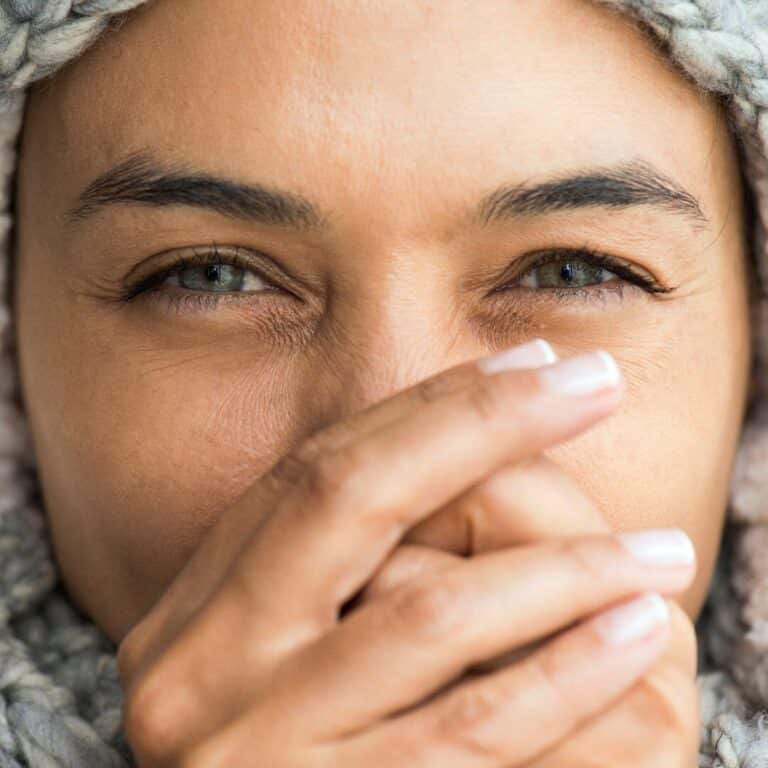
[203, 279]
[571, 273]
[215, 276]
[558, 273]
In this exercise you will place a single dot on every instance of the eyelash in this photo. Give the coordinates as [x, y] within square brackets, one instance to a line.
[598, 291]
[151, 287]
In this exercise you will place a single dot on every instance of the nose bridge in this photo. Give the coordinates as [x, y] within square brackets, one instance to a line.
[371, 371]
[377, 345]
[401, 361]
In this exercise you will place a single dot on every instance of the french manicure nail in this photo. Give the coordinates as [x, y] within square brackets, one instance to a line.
[660, 546]
[532, 354]
[582, 374]
[632, 620]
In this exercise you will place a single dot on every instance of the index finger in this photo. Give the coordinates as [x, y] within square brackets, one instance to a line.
[347, 509]
[521, 503]
[532, 354]
[215, 552]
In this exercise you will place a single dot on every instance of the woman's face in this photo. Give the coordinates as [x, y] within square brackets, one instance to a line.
[389, 126]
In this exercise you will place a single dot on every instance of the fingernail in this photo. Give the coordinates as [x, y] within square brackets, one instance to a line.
[582, 374]
[632, 620]
[529, 355]
[660, 546]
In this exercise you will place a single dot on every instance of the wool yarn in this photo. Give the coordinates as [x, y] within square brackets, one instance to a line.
[60, 697]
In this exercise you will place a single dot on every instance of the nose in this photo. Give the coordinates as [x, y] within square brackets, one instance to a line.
[381, 346]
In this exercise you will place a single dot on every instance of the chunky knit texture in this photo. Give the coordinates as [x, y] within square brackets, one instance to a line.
[60, 698]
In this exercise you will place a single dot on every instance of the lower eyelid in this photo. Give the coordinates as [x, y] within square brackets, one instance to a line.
[598, 292]
[189, 300]
[181, 299]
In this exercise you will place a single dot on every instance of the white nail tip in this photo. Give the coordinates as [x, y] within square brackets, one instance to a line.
[631, 621]
[582, 374]
[531, 354]
[660, 546]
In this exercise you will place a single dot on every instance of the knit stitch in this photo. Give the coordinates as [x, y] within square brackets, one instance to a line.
[60, 697]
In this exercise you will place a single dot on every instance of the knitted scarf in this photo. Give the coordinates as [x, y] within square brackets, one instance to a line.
[60, 696]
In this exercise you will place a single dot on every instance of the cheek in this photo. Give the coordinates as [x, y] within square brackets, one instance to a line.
[663, 457]
[144, 444]
[144, 461]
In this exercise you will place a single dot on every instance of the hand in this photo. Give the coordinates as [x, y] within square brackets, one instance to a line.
[655, 723]
[245, 653]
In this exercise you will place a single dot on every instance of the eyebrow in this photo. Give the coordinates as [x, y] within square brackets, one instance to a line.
[141, 179]
[631, 183]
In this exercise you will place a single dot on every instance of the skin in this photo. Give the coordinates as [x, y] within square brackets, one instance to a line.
[393, 119]
[339, 501]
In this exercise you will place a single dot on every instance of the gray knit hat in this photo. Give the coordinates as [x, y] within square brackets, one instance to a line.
[60, 698]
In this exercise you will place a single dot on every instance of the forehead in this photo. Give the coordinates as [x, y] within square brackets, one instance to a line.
[378, 92]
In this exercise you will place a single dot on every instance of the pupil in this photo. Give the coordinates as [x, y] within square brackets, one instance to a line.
[566, 272]
[212, 272]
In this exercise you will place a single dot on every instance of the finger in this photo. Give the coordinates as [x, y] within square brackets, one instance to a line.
[341, 514]
[507, 717]
[397, 649]
[519, 503]
[626, 734]
[501, 719]
[531, 354]
[654, 723]
[407, 562]
[347, 510]
[534, 500]
[680, 652]
[522, 503]
[663, 702]
[683, 651]
[207, 565]
[410, 561]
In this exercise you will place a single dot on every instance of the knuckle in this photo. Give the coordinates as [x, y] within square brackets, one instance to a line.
[544, 669]
[207, 754]
[230, 746]
[447, 382]
[685, 637]
[291, 469]
[487, 399]
[320, 474]
[334, 474]
[311, 447]
[428, 610]
[433, 388]
[128, 657]
[491, 396]
[151, 722]
[584, 561]
[463, 717]
[672, 709]
[664, 707]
